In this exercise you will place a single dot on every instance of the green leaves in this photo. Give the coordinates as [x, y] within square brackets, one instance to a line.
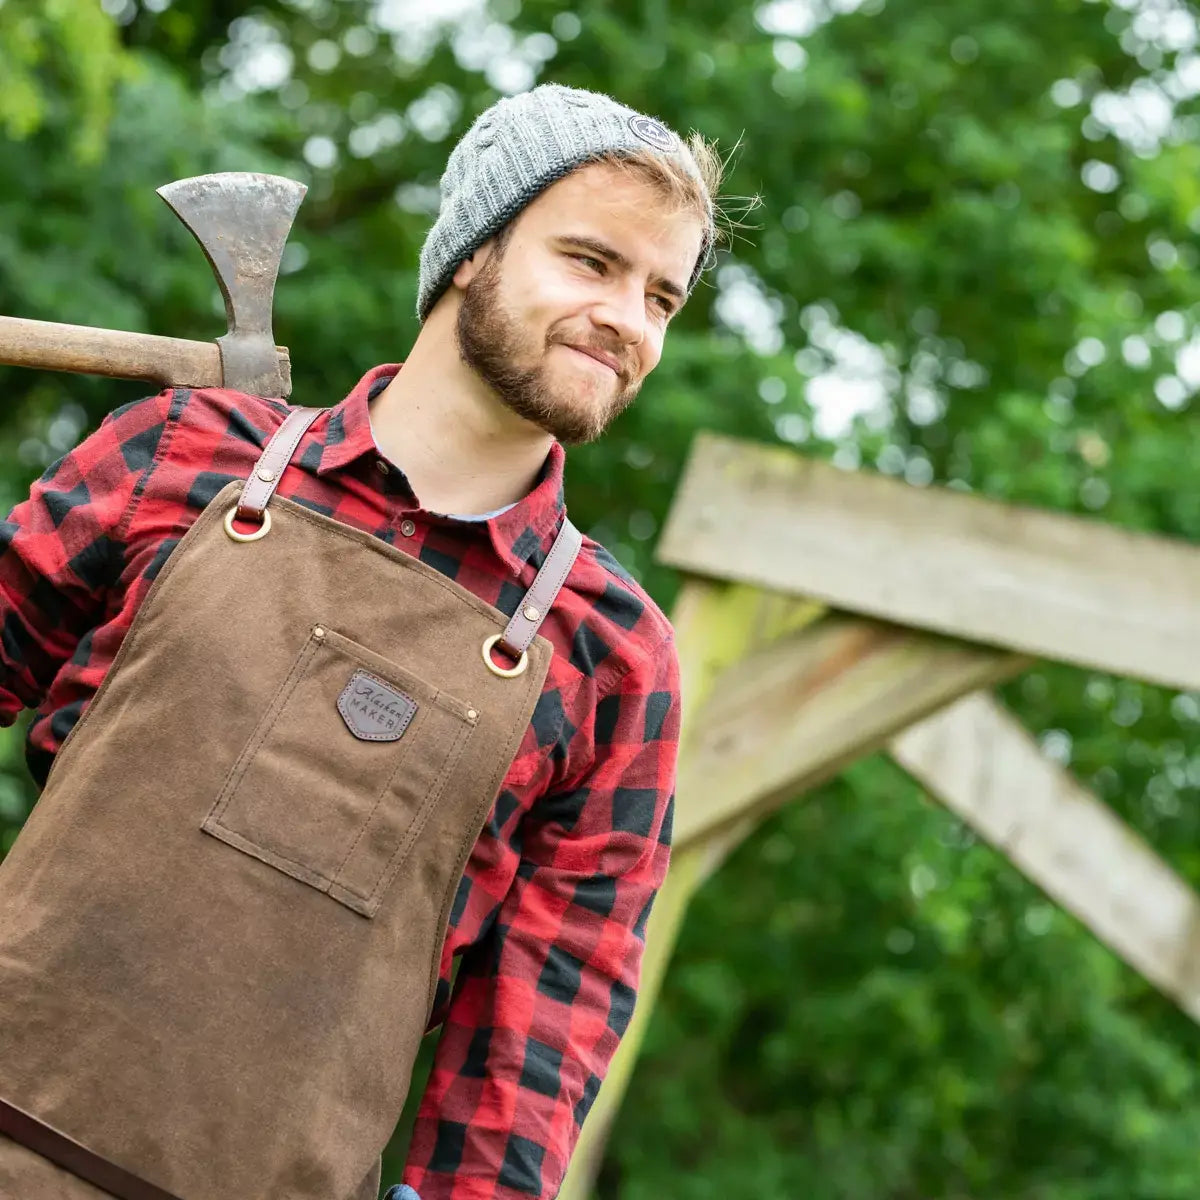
[58, 57]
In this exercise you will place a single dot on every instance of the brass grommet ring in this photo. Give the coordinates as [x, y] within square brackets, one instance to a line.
[260, 532]
[504, 672]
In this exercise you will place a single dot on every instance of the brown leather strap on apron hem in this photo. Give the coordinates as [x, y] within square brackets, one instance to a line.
[67, 1153]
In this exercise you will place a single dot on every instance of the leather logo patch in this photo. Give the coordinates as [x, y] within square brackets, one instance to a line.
[373, 710]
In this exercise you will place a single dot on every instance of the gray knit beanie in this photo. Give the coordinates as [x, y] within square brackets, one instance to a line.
[516, 149]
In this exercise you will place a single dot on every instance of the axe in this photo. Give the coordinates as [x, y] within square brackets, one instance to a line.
[241, 220]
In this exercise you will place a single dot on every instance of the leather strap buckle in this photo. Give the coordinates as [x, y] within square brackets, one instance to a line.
[260, 532]
[503, 672]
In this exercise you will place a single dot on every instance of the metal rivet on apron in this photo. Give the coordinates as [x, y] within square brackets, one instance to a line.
[266, 476]
[318, 632]
[530, 613]
[471, 714]
[408, 528]
[260, 532]
[503, 672]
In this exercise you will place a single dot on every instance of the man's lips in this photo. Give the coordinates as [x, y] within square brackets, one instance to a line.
[600, 356]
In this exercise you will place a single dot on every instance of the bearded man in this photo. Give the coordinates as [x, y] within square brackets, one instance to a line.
[346, 732]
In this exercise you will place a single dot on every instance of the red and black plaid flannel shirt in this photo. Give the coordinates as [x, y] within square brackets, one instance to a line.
[550, 915]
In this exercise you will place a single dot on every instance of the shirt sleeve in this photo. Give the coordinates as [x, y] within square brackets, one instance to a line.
[540, 1004]
[61, 552]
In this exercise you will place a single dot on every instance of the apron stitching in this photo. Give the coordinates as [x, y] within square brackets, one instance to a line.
[238, 770]
[232, 837]
[130, 638]
[464, 852]
[420, 820]
[437, 696]
[401, 760]
[407, 560]
[331, 880]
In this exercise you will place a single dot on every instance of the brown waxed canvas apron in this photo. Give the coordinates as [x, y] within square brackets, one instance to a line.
[221, 925]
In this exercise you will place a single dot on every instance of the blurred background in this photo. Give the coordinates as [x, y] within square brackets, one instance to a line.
[974, 265]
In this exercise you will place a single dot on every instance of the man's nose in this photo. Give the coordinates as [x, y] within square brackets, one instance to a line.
[623, 310]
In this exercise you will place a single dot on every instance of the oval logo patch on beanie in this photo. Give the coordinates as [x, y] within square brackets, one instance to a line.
[652, 132]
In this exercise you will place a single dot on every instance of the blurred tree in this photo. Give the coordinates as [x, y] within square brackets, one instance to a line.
[975, 265]
[58, 53]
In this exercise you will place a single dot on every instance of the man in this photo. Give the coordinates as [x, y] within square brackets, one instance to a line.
[236, 1014]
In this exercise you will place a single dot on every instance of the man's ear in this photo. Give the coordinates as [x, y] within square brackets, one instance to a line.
[470, 267]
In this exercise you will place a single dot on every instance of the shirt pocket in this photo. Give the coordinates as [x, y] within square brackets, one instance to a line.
[342, 771]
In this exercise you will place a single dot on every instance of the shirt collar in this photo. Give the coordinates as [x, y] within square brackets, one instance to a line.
[521, 536]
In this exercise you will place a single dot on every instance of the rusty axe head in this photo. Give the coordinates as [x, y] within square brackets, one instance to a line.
[241, 220]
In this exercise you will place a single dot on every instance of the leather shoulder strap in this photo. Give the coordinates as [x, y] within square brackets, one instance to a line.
[526, 621]
[532, 611]
[264, 479]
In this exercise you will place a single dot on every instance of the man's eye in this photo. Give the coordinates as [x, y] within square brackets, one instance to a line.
[590, 261]
[666, 304]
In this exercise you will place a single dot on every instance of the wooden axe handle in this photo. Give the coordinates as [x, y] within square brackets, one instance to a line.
[87, 351]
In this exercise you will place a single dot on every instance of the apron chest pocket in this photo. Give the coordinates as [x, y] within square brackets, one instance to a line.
[342, 771]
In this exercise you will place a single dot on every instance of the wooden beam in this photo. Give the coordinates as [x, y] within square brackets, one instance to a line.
[795, 712]
[986, 768]
[1040, 583]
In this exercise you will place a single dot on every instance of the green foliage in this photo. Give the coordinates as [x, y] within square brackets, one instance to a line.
[879, 1006]
[58, 54]
[866, 1003]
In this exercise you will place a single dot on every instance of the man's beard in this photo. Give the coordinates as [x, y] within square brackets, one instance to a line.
[492, 343]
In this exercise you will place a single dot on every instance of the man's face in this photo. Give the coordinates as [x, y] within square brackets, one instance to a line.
[592, 271]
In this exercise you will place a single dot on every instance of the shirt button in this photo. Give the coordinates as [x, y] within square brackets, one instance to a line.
[408, 528]
[381, 466]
